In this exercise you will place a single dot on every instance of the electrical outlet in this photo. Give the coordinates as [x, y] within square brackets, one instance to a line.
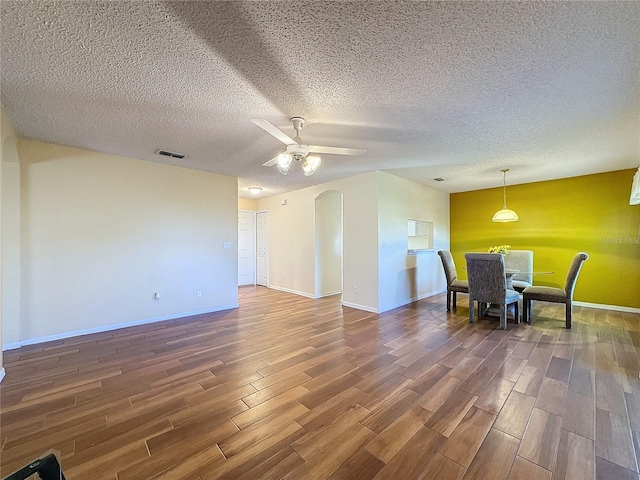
[226, 244]
[355, 289]
[199, 293]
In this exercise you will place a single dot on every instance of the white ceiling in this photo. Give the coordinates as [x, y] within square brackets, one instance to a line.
[431, 89]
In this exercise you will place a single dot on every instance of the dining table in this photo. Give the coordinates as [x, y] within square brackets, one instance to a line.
[509, 273]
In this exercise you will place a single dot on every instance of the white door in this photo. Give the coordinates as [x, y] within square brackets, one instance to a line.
[246, 247]
[262, 244]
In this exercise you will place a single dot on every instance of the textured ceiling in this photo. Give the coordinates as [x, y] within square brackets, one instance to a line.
[433, 89]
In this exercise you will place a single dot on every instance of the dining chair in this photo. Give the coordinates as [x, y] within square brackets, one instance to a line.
[488, 284]
[553, 294]
[454, 285]
[521, 260]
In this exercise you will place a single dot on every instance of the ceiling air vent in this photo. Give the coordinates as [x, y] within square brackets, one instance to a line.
[167, 153]
[439, 179]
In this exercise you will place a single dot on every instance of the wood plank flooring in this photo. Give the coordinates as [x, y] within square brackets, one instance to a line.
[294, 388]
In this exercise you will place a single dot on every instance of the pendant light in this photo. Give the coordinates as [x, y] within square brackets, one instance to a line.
[505, 215]
[635, 189]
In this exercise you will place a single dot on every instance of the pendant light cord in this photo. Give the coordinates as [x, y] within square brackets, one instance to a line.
[504, 188]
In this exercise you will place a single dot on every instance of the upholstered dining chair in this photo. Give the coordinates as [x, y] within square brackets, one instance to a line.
[521, 260]
[488, 284]
[553, 294]
[454, 285]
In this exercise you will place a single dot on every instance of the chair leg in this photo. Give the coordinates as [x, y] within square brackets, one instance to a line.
[568, 315]
[526, 310]
[517, 310]
[455, 300]
[503, 317]
[449, 300]
[471, 311]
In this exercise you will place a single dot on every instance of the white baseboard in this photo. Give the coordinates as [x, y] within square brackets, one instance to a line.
[329, 294]
[307, 295]
[106, 328]
[295, 292]
[2, 374]
[359, 307]
[602, 306]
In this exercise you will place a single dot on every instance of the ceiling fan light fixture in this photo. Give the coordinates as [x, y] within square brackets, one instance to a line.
[310, 165]
[297, 150]
[505, 215]
[283, 170]
[314, 161]
[307, 169]
[284, 162]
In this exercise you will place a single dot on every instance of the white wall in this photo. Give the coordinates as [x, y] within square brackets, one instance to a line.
[406, 278]
[376, 207]
[10, 244]
[328, 244]
[102, 233]
[247, 203]
[292, 239]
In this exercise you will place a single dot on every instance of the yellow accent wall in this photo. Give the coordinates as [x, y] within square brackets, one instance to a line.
[557, 219]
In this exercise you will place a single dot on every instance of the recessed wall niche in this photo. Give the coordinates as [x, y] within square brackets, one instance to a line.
[419, 235]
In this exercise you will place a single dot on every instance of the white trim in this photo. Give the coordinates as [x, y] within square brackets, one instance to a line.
[329, 294]
[602, 306]
[11, 346]
[106, 328]
[360, 307]
[2, 373]
[295, 292]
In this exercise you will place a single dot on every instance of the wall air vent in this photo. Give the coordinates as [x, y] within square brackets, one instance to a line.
[167, 153]
[439, 179]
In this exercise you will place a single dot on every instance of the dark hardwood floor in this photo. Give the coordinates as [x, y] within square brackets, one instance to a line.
[288, 387]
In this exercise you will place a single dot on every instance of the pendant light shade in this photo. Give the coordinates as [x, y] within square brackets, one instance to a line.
[505, 215]
[635, 189]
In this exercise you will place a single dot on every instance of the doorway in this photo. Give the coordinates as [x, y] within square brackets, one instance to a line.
[262, 249]
[328, 244]
[246, 247]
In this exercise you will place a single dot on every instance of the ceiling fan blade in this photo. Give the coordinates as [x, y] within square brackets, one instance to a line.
[273, 130]
[336, 150]
[271, 162]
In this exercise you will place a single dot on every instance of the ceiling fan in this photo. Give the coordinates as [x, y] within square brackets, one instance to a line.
[297, 150]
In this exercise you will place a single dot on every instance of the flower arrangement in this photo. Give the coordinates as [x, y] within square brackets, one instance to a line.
[503, 249]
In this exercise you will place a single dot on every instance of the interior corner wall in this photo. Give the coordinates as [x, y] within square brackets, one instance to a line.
[292, 239]
[102, 234]
[559, 218]
[406, 278]
[10, 251]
